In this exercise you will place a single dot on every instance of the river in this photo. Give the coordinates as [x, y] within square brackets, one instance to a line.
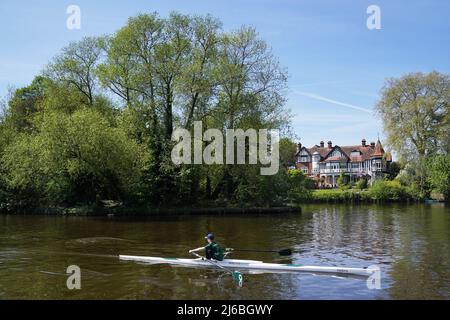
[410, 243]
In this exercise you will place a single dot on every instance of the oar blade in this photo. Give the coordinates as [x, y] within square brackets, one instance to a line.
[237, 277]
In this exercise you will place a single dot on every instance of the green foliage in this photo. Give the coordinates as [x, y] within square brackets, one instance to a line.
[72, 158]
[361, 184]
[415, 114]
[300, 186]
[414, 179]
[438, 169]
[343, 181]
[76, 64]
[24, 104]
[262, 190]
[393, 170]
[335, 195]
[415, 111]
[384, 191]
[388, 190]
[288, 149]
[98, 124]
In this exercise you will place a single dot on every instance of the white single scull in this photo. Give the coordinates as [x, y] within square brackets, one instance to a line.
[235, 264]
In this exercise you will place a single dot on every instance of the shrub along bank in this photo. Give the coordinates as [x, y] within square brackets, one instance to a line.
[381, 191]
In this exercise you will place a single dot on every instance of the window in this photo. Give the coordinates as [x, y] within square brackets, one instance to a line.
[305, 170]
[377, 164]
[336, 153]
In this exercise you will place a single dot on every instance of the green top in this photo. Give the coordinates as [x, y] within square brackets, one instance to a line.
[216, 251]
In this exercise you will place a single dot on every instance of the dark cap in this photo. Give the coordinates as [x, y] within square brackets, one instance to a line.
[210, 236]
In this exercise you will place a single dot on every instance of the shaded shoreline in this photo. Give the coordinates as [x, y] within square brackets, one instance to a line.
[147, 211]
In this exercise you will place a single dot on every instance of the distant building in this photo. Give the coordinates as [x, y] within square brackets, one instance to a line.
[326, 163]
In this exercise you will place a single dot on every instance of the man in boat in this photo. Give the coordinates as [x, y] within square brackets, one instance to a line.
[212, 249]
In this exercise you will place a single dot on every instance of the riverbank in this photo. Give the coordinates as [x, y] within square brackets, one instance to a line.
[379, 192]
[359, 196]
[121, 210]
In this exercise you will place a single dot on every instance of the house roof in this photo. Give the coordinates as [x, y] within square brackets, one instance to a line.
[330, 159]
[379, 151]
[366, 152]
[322, 151]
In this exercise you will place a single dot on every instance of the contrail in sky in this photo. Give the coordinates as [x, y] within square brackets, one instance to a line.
[343, 104]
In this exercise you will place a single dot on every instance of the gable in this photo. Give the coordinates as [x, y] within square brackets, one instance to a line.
[355, 153]
[336, 152]
[303, 155]
[304, 152]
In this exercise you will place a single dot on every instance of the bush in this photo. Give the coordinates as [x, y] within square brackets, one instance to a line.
[389, 191]
[342, 181]
[258, 190]
[73, 158]
[379, 191]
[361, 184]
[438, 174]
[299, 186]
[335, 195]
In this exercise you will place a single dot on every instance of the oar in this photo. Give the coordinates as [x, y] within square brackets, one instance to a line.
[236, 275]
[282, 252]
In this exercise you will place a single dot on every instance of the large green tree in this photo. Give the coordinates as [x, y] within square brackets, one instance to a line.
[72, 158]
[24, 103]
[415, 114]
[131, 90]
[76, 65]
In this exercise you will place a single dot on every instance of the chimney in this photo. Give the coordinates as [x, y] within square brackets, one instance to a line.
[330, 145]
[321, 144]
[372, 145]
[299, 146]
[363, 142]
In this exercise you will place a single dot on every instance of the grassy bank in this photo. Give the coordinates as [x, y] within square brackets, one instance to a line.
[383, 191]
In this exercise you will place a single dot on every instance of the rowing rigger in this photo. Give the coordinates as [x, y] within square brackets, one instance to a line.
[235, 264]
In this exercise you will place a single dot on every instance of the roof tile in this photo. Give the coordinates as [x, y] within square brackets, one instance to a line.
[367, 152]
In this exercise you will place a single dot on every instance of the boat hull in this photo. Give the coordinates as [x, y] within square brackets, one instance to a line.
[235, 264]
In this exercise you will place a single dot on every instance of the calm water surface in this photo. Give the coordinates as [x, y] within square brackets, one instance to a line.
[411, 244]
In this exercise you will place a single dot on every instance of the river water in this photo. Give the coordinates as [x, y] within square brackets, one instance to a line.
[410, 243]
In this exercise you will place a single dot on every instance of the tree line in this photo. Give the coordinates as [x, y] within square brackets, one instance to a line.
[97, 123]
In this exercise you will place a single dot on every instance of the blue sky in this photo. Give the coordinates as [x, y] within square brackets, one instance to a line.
[336, 65]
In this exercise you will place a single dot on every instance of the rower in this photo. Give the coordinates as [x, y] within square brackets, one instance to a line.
[212, 249]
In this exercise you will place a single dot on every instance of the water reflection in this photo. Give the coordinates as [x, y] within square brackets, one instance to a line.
[410, 243]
